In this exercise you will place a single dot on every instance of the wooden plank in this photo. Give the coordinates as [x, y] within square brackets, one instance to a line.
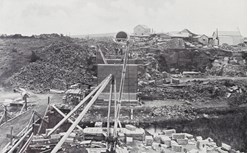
[24, 147]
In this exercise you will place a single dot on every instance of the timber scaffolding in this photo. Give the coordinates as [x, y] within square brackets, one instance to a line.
[38, 137]
[46, 141]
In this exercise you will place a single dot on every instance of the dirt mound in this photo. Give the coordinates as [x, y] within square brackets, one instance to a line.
[15, 54]
[60, 64]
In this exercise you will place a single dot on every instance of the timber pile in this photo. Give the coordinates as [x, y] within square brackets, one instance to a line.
[59, 64]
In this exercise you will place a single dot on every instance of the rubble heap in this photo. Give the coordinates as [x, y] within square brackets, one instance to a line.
[59, 64]
[200, 91]
[176, 112]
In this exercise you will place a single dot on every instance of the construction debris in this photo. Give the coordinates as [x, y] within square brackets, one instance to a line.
[60, 64]
[169, 68]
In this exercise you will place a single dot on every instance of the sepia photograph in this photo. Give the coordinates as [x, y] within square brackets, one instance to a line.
[123, 76]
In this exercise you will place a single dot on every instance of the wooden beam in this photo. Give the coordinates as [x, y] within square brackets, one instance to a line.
[81, 115]
[121, 88]
[115, 113]
[31, 120]
[37, 114]
[25, 146]
[20, 141]
[76, 108]
[103, 58]
[6, 148]
[62, 114]
[109, 108]
[41, 124]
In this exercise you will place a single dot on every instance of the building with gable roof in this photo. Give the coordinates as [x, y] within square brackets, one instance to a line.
[227, 37]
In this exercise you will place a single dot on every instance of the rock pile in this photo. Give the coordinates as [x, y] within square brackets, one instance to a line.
[60, 64]
[175, 112]
[200, 91]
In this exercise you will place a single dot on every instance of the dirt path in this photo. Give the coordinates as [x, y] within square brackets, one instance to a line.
[21, 121]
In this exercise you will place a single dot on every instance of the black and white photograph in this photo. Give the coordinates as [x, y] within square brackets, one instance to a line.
[123, 76]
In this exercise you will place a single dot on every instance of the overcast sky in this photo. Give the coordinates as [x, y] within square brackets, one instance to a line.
[29, 17]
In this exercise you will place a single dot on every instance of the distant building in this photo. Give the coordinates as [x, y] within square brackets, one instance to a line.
[184, 34]
[141, 30]
[163, 36]
[189, 33]
[203, 39]
[227, 37]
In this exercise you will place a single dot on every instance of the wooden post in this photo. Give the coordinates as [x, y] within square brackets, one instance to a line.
[115, 115]
[11, 133]
[19, 141]
[41, 124]
[123, 75]
[25, 146]
[33, 121]
[48, 100]
[131, 113]
[26, 102]
[5, 113]
[109, 107]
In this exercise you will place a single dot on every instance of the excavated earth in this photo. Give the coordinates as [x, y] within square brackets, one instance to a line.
[213, 107]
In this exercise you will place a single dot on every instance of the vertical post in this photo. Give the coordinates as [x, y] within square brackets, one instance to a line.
[26, 101]
[11, 133]
[41, 124]
[123, 75]
[33, 122]
[115, 117]
[109, 106]
[48, 100]
[131, 113]
[5, 113]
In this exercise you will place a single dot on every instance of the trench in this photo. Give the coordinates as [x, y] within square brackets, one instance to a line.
[229, 127]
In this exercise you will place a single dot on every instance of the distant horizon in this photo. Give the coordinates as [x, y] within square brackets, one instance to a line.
[113, 33]
[80, 17]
